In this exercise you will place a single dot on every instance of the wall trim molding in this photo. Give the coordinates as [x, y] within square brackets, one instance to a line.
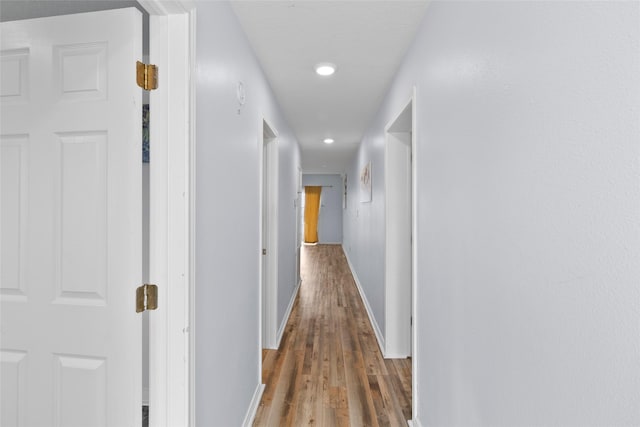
[372, 319]
[268, 147]
[399, 215]
[172, 207]
[253, 406]
[287, 313]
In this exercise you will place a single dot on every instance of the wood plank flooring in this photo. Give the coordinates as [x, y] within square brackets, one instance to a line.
[329, 370]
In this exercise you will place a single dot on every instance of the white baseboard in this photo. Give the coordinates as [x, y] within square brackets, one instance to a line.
[372, 320]
[395, 355]
[287, 313]
[253, 406]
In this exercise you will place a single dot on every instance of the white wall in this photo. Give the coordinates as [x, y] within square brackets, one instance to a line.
[228, 215]
[363, 222]
[330, 216]
[289, 162]
[528, 212]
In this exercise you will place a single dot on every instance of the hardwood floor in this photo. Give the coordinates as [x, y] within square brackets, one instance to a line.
[329, 370]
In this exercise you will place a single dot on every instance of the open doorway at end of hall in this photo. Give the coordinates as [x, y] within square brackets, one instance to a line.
[322, 200]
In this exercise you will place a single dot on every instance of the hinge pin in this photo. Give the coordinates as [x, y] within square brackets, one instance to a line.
[146, 298]
[146, 76]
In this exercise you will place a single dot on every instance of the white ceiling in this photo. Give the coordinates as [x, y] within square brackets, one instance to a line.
[365, 39]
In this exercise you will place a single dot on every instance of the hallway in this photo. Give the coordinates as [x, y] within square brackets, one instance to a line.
[329, 370]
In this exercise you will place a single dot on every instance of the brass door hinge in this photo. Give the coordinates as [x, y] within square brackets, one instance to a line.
[147, 76]
[146, 298]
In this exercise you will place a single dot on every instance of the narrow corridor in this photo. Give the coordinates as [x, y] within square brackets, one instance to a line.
[329, 370]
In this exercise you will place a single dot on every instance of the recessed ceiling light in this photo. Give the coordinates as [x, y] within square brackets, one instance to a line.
[328, 141]
[325, 68]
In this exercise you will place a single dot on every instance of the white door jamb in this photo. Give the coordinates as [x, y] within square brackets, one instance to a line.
[172, 168]
[269, 277]
[414, 256]
[398, 229]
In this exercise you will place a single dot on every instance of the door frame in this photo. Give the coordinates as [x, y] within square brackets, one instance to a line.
[172, 48]
[268, 143]
[298, 233]
[414, 250]
[414, 253]
[172, 201]
[398, 299]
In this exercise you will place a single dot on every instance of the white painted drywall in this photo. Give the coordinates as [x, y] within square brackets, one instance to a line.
[398, 249]
[364, 225]
[228, 215]
[330, 215]
[528, 141]
[288, 161]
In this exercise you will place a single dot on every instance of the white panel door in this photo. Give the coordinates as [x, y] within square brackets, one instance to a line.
[70, 134]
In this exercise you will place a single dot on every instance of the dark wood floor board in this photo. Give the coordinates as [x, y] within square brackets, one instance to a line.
[329, 370]
[401, 386]
[382, 413]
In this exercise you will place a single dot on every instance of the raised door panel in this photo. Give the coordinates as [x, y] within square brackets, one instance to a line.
[80, 71]
[13, 387]
[82, 231]
[14, 164]
[14, 75]
[81, 391]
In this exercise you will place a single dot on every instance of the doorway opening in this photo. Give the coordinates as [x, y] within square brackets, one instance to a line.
[400, 226]
[312, 194]
[269, 289]
[299, 224]
[398, 234]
